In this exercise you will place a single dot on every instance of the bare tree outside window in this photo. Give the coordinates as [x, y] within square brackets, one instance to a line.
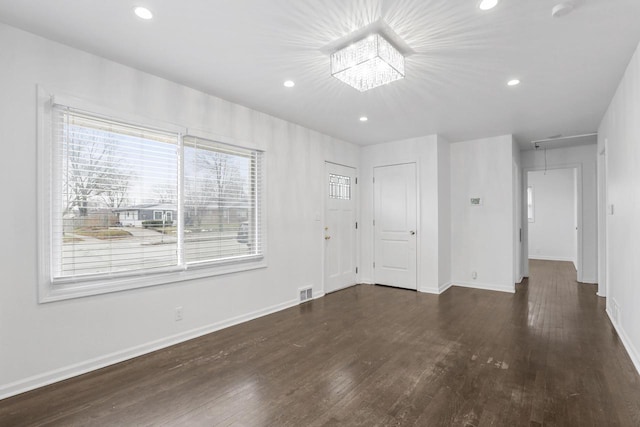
[222, 186]
[117, 195]
[95, 173]
[164, 193]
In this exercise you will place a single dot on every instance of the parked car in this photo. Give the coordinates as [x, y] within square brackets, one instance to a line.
[243, 233]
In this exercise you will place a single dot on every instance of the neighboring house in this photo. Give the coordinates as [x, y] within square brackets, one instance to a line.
[133, 216]
[229, 213]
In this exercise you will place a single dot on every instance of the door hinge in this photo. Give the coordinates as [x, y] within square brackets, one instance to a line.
[374, 264]
[356, 270]
[374, 222]
[356, 179]
[374, 179]
[356, 225]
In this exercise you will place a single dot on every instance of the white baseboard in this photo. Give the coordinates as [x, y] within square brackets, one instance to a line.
[589, 280]
[552, 258]
[41, 380]
[634, 355]
[443, 287]
[435, 290]
[520, 279]
[487, 286]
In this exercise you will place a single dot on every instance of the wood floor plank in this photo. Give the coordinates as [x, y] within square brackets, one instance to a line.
[374, 356]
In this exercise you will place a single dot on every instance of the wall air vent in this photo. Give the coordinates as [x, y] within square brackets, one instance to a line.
[306, 294]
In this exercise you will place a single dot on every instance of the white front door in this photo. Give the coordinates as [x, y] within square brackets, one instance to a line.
[395, 212]
[339, 228]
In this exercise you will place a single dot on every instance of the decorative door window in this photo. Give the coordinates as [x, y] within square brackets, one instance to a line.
[339, 187]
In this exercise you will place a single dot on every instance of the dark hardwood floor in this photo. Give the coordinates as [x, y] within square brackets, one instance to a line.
[372, 355]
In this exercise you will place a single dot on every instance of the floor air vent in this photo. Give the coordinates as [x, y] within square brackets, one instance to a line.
[306, 294]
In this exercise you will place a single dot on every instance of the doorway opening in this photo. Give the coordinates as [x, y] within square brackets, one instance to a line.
[553, 211]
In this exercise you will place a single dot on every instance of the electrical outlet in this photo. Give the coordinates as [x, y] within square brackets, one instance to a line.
[474, 275]
[178, 314]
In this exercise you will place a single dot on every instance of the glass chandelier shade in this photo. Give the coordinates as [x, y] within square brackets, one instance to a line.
[368, 63]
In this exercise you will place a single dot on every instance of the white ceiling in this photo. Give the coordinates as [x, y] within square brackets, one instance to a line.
[455, 85]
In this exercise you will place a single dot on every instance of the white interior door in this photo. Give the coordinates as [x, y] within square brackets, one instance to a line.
[340, 227]
[395, 212]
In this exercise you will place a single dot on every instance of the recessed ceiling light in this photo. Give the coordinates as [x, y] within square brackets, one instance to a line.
[487, 4]
[143, 13]
[289, 83]
[514, 82]
[364, 118]
[562, 9]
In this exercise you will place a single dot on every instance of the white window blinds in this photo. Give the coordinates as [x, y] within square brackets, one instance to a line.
[126, 199]
[222, 209]
[104, 170]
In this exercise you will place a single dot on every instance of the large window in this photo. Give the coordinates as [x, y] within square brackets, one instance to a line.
[129, 203]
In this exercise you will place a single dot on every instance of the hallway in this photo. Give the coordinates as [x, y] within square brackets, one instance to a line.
[576, 370]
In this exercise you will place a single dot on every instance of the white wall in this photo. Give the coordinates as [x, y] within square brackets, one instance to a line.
[584, 158]
[552, 233]
[40, 343]
[602, 216]
[454, 238]
[518, 230]
[444, 214]
[482, 237]
[620, 129]
[427, 152]
[576, 216]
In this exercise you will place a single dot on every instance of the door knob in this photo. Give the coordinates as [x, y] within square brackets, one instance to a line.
[327, 237]
[413, 233]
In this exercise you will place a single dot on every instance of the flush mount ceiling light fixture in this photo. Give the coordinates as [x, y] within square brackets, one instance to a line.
[368, 63]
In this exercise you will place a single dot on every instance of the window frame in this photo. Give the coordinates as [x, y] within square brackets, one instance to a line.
[531, 206]
[77, 287]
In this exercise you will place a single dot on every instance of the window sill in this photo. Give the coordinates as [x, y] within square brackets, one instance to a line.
[50, 292]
